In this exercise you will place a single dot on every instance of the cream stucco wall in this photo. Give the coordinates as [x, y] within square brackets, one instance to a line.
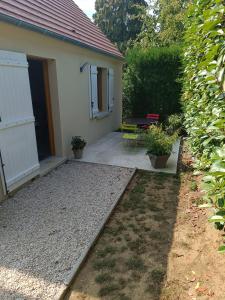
[69, 88]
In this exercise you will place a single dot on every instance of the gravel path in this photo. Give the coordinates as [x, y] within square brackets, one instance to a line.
[47, 227]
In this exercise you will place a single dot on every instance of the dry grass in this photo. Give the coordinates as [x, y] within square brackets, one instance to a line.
[156, 246]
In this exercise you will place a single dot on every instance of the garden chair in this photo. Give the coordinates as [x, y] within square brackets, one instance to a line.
[130, 134]
[153, 119]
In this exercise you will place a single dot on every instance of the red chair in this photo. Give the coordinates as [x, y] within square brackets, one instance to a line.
[154, 118]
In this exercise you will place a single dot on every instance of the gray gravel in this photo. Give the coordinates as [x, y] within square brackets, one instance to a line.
[47, 227]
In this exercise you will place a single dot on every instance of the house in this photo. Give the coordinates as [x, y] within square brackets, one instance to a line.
[59, 77]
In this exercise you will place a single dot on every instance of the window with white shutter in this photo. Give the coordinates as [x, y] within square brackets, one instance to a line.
[101, 91]
[94, 90]
[111, 89]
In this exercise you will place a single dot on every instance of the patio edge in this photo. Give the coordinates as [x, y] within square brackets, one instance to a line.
[84, 256]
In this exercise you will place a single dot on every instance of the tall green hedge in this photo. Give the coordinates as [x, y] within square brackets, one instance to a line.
[204, 98]
[151, 82]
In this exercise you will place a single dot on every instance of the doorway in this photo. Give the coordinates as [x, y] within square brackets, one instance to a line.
[39, 84]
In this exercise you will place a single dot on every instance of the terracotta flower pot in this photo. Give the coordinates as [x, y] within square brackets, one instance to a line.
[159, 162]
[78, 153]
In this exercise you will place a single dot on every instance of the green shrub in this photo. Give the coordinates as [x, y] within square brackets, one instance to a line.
[158, 142]
[174, 124]
[204, 98]
[151, 82]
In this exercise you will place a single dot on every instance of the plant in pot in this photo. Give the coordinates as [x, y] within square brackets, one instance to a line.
[78, 144]
[159, 146]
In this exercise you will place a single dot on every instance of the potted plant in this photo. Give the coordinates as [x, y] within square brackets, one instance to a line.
[159, 146]
[78, 144]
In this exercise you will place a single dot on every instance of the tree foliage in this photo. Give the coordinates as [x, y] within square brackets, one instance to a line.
[163, 23]
[204, 97]
[119, 19]
[171, 16]
[150, 82]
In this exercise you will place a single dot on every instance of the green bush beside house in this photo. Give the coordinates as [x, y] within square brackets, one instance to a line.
[151, 82]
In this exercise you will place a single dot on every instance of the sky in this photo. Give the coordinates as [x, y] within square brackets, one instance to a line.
[88, 6]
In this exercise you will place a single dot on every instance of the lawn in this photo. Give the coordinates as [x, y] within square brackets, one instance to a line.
[156, 245]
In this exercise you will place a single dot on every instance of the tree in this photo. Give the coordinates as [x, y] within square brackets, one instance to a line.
[148, 37]
[171, 16]
[163, 23]
[119, 19]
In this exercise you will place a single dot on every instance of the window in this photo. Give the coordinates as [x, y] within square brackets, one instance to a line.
[101, 91]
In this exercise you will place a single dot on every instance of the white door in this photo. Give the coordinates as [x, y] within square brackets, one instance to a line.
[17, 132]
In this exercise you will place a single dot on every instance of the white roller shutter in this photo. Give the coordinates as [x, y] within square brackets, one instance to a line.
[93, 91]
[111, 99]
[17, 132]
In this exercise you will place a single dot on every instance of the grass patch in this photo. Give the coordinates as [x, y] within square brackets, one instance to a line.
[106, 251]
[135, 264]
[158, 218]
[136, 276]
[153, 207]
[122, 282]
[157, 275]
[120, 264]
[116, 230]
[138, 246]
[139, 189]
[108, 289]
[157, 235]
[123, 249]
[123, 297]
[135, 201]
[104, 264]
[127, 238]
[103, 278]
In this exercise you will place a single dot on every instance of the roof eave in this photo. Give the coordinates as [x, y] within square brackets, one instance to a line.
[26, 25]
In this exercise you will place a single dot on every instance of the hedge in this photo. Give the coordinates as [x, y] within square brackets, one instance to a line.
[151, 82]
[204, 98]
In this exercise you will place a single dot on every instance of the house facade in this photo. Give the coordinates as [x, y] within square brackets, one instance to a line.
[59, 77]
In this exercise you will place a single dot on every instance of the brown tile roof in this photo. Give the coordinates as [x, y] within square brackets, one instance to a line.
[61, 17]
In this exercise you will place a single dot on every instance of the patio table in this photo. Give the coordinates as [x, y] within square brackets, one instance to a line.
[139, 121]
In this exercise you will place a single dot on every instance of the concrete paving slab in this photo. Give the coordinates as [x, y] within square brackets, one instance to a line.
[47, 228]
[113, 150]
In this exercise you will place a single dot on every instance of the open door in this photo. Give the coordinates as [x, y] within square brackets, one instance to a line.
[17, 132]
[40, 94]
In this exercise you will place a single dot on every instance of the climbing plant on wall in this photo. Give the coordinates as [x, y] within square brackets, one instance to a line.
[204, 98]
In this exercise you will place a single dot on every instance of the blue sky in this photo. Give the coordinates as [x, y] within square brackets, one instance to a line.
[88, 6]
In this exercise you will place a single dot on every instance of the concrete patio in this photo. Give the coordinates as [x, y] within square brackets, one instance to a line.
[113, 150]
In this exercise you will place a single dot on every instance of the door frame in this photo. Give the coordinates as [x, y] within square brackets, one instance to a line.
[48, 102]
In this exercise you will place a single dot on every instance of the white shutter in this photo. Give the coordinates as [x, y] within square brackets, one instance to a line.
[111, 89]
[94, 91]
[17, 132]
